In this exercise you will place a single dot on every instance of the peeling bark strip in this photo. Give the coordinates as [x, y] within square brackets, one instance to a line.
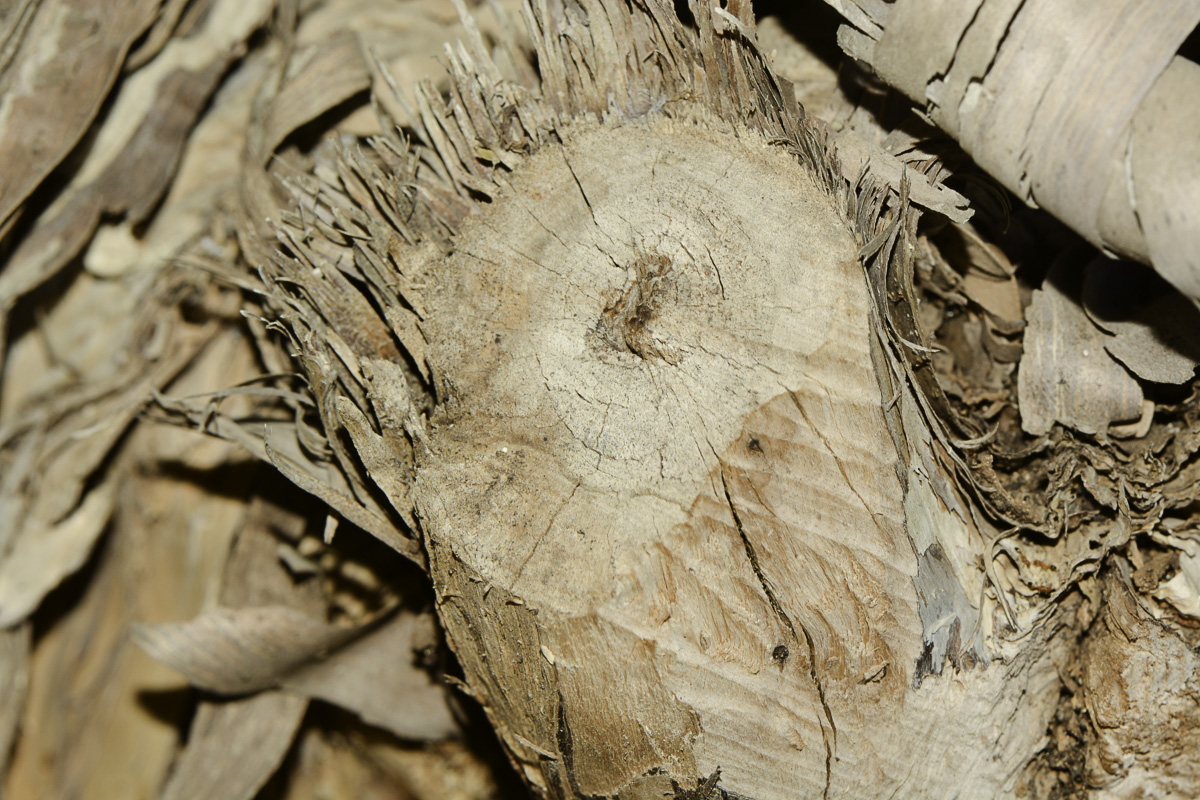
[1110, 147]
[602, 339]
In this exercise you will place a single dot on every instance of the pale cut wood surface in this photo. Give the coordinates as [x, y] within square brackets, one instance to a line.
[663, 508]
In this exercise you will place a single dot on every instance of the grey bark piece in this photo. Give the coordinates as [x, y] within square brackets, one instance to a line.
[1155, 331]
[375, 677]
[1066, 375]
[1109, 147]
[1165, 165]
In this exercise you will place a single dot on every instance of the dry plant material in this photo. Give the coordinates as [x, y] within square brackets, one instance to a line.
[126, 169]
[381, 679]
[87, 681]
[14, 683]
[603, 342]
[236, 747]
[152, 180]
[333, 759]
[63, 441]
[730, 476]
[1067, 375]
[1153, 328]
[1109, 146]
[130, 162]
[44, 114]
[236, 651]
[361, 668]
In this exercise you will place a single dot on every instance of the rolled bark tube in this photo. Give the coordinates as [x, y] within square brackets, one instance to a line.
[1081, 108]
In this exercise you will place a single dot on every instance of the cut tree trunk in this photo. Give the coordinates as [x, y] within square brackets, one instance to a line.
[733, 459]
[647, 378]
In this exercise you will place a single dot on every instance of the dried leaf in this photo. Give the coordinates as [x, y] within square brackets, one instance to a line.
[135, 153]
[284, 445]
[43, 116]
[1155, 329]
[60, 438]
[1066, 375]
[377, 678]
[92, 694]
[326, 75]
[1183, 590]
[211, 151]
[1000, 298]
[42, 558]
[857, 154]
[235, 746]
[368, 670]
[14, 683]
[235, 651]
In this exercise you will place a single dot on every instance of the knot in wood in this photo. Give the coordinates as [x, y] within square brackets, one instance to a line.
[627, 318]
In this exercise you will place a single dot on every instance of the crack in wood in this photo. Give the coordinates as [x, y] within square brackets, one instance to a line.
[765, 583]
[582, 193]
[565, 741]
[545, 533]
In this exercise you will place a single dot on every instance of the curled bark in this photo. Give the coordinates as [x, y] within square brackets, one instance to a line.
[1109, 147]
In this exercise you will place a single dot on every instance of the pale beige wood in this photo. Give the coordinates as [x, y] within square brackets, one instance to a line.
[656, 459]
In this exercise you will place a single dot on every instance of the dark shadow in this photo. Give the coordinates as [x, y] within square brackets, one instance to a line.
[1115, 291]
[312, 133]
[684, 12]
[234, 480]
[65, 597]
[477, 728]
[482, 740]
[174, 707]
[355, 546]
[338, 724]
[812, 22]
[1190, 49]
